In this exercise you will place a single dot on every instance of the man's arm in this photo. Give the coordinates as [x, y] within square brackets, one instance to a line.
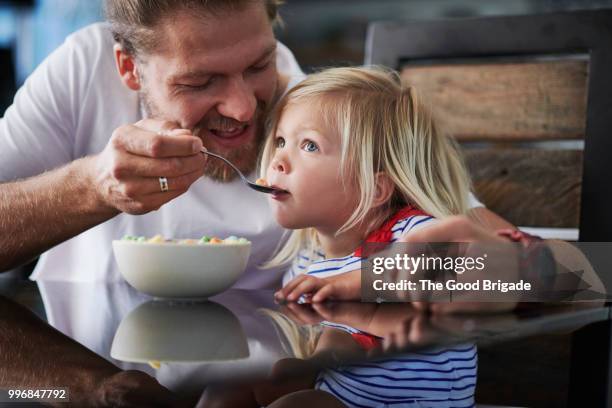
[45, 210]
[42, 211]
[39, 133]
[488, 219]
[35, 355]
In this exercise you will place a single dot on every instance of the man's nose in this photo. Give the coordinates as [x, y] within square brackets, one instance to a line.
[239, 102]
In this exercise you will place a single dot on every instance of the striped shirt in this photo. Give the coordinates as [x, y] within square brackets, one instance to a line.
[314, 262]
[438, 377]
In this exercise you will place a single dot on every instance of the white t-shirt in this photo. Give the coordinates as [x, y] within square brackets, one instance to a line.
[67, 109]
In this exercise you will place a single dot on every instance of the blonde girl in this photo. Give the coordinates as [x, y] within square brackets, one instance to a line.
[360, 158]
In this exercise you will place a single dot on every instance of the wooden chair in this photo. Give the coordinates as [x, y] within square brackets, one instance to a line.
[529, 98]
[516, 92]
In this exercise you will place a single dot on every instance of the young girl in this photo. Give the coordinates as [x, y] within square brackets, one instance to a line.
[360, 159]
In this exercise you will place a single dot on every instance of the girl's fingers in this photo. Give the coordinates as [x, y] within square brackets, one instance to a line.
[285, 290]
[306, 286]
[326, 292]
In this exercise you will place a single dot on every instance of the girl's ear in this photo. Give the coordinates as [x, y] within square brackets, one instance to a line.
[384, 189]
[126, 65]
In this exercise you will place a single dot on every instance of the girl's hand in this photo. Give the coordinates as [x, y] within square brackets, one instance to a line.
[346, 286]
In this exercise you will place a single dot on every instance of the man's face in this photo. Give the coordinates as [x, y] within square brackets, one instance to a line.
[215, 75]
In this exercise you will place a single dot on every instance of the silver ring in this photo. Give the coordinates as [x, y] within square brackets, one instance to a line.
[163, 184]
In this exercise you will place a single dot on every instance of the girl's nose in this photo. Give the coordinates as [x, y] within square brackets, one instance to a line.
[281, 165]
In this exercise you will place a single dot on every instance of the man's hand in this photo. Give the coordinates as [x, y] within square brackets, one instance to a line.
[132, 389]
[463, 229]
[126, 174]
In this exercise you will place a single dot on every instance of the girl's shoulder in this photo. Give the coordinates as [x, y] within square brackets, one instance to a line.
[410, 223]
[403, 221]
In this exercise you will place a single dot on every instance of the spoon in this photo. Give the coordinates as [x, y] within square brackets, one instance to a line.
[254, 186]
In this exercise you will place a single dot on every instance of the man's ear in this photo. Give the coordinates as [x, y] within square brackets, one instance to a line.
[384, 189]
[126, 65]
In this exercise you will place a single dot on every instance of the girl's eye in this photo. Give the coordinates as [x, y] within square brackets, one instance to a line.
[310, 146]
[280, 142]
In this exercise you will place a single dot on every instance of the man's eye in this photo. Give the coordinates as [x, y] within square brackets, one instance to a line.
[310, 146]
[199, 87]
[280, 142]
[260, 67]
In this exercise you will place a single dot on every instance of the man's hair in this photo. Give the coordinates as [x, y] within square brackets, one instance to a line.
[133, 22]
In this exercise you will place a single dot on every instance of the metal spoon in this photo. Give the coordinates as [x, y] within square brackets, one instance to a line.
[254, 186]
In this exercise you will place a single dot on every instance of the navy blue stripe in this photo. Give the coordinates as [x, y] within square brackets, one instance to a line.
[334, 269]
[406, 221]
[416, 360]
[402, 398]
[420, 221]
[464, 387]
[370, 396]
[425, 353]
[412, 218]
[392, 387]
[433, 370]
[449, 379]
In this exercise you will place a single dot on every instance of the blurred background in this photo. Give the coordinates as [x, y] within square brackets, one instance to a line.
[320, 32]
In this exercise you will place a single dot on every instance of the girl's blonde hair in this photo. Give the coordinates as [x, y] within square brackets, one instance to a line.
[384, 127]
[299, 341]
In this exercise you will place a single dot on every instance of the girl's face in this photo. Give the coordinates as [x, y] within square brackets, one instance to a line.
[306, 163]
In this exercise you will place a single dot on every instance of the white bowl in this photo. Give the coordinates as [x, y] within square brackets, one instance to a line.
[163, 331]
[168, 270]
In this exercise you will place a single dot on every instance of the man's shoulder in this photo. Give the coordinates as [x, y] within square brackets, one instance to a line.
[287, 65]
[94, 39]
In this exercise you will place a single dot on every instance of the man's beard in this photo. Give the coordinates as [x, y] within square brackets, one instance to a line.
[244, 157]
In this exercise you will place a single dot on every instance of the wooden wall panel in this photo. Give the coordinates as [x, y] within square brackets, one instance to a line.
[506, 101]
[529, 187]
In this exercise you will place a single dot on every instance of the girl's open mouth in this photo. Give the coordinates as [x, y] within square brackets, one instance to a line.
[281, 194]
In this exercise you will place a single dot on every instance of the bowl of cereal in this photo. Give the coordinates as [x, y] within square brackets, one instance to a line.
[181, 268]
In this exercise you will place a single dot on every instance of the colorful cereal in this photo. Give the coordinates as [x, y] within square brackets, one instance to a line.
[159, 239]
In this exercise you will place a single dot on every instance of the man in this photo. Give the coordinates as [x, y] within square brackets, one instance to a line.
[181, 75]
[210, 67]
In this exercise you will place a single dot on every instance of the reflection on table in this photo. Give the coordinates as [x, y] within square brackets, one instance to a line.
[358, 354]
